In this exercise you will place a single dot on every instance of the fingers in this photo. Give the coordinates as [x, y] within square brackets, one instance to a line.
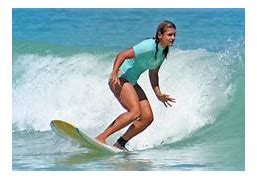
[119, 82]
[115, 80]
[167, 100]
[173, 100]
[166, 104]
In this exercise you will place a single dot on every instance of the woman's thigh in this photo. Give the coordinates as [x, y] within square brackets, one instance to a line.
[127, 95]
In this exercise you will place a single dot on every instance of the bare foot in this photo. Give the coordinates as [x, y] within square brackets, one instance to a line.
[100, 139]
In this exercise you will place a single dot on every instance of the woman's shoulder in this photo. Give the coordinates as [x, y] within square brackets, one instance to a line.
[145, 46]
[148, 41]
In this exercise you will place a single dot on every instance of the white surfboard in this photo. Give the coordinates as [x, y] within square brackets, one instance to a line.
[73, 133]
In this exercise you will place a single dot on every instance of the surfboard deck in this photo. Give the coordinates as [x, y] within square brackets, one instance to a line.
[67, 130]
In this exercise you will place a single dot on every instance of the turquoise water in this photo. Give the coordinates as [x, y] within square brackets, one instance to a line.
[62, 59]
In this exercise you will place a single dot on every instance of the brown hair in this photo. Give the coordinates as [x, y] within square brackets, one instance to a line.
[161, 29]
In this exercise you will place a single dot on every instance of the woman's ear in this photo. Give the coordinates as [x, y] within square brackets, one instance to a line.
[159, 35]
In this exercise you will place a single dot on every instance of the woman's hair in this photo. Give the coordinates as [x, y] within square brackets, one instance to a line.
[161, 29]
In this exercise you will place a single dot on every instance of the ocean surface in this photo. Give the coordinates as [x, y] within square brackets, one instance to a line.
[61, 62]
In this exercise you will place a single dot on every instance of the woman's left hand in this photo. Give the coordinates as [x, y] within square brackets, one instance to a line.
[166, 99]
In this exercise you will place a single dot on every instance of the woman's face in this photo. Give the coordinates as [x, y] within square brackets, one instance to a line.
[168, 37]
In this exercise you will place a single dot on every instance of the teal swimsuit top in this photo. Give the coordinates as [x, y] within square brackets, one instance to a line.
[144, 59]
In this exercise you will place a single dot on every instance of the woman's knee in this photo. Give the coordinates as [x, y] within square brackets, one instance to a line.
[135, 114]
[147, 117]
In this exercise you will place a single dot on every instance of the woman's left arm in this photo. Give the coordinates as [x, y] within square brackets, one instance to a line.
[154, 79]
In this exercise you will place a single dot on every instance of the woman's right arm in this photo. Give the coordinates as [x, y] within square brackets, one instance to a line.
[126, 54]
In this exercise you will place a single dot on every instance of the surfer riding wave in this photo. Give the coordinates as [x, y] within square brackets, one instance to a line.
[127, 68]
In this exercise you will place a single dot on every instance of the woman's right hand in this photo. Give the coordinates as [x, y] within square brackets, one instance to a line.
[114, 80]
[126, 54]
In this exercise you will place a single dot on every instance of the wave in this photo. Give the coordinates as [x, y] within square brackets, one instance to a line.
[74, 88]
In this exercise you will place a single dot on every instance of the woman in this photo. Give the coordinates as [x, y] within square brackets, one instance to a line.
[128, 66]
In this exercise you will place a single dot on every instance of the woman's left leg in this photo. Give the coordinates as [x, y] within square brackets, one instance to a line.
[142, 123]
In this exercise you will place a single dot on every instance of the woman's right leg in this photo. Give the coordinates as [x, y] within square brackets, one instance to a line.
[128, 98]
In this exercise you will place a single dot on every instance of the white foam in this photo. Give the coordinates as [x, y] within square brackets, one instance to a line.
[75, 89]
[200, 83]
